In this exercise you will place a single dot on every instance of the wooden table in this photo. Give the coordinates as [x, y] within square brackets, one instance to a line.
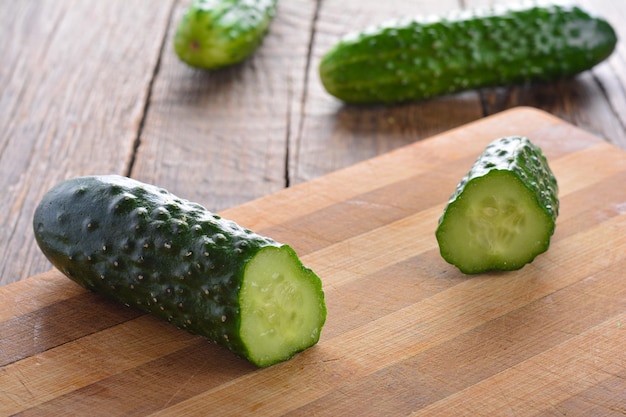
[95, 88]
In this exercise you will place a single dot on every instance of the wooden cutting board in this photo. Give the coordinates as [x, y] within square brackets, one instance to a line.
[407, 334]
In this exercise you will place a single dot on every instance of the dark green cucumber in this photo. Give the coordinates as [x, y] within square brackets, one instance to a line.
[503, 212]
[409, 60]
[147, 248]
[218, 33]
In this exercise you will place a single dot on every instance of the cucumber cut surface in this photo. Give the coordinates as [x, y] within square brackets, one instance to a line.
[495, 225]
[280, 310]
[503, 212]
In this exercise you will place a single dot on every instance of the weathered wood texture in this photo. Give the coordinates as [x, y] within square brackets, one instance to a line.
[74, 81]
[97, 88]
[407, 334]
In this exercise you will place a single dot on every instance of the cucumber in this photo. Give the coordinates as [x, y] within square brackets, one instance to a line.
[417, 59]
[218, 33]
[503, 212]
[144, 247]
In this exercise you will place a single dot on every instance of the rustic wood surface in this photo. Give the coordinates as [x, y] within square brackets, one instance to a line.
[406, 335]
[95, 88]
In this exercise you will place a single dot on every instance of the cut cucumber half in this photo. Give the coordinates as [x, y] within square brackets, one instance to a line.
[503, 213]
[143, 246]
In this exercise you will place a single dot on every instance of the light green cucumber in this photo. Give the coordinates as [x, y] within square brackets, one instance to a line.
[149, 249]
[219, 33]
[503, 212]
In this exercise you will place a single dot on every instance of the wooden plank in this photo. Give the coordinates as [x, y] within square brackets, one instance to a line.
[220, 137]
[407, 334]
[532, 387]
[28, 296]
[70, 103]
[16, 331]
[421, 381]
[612, 75]
[91, 358]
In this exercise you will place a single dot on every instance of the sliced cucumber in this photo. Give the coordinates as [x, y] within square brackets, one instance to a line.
[503, 212]
[147, 248]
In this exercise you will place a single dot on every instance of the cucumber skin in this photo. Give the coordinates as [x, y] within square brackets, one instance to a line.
[416, 60]
[231, 29]
[142, 246]
[527, 161]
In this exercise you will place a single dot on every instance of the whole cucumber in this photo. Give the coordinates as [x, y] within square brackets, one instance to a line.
[147, 248]
[503, 213]
[410, 60]
[218, 33]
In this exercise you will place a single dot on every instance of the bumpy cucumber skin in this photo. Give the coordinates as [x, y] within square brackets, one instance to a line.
[218, 33]
[149, 249]
[419, 59]
[518, 155]
[522, 157]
